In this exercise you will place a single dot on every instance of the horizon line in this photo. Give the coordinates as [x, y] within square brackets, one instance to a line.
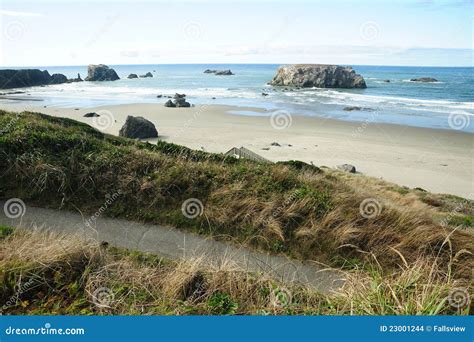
[342, 64]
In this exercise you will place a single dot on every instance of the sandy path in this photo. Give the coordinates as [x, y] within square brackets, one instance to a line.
[175, 244]
[440, 161]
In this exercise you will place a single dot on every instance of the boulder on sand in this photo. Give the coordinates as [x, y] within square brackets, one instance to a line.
[170, 103]
[101, 72]
[347, 168]
[138, 127]
[179, 100]
[318, 75]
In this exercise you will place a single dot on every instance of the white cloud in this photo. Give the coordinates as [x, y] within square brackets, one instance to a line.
[19, 14]
[129, 53]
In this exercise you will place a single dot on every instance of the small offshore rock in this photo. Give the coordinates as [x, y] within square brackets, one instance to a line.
[132, 76]
[352, 108]
[424, 79]
[224, 72]
[77, 79]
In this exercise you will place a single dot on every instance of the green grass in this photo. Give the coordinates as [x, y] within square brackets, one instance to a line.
[293, 208]
[6, 231]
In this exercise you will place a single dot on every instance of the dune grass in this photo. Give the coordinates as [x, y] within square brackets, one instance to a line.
[44, 273]
[291, 208]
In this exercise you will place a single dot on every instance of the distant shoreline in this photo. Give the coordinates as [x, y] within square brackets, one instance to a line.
[295, 62]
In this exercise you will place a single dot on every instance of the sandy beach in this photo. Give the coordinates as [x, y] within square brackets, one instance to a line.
[439, 161]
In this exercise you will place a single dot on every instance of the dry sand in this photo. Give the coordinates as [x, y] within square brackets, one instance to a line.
[439, 161]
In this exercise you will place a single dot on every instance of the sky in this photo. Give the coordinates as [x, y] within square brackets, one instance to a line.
[396, 32]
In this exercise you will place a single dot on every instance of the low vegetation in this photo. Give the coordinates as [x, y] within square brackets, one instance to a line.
[44, 273]
[291, 208]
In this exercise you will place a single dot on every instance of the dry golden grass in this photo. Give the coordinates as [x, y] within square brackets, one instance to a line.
[67, 272]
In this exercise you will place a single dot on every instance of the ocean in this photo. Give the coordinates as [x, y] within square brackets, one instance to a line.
[446, 104]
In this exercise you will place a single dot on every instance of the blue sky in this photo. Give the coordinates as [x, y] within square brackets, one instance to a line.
[44, 33]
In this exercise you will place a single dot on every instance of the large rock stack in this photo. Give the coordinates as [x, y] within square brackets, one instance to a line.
[101, 72]
[318, 75]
